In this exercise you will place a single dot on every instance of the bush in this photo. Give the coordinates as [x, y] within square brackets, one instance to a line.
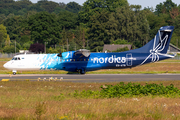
[52, 50]
[37, 48]
[119, 41]
[10, 49]
[121, 49]
[130, 90]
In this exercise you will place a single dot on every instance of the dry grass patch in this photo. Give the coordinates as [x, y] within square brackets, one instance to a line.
[55, 100]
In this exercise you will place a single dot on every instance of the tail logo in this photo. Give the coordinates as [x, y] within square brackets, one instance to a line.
[155, 52]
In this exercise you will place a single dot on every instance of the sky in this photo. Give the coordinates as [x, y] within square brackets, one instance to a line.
[143, 3]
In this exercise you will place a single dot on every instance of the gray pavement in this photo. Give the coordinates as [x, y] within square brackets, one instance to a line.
[91, 77]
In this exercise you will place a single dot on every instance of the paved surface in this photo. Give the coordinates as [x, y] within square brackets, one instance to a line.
[91, 77]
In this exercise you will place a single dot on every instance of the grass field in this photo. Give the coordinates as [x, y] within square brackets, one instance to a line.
[166, 66]
[33, 100]
[20, 100]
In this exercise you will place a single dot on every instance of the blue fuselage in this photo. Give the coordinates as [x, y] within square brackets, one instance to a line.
[105, 61]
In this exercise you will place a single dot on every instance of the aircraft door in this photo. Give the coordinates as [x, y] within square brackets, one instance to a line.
[129, 59]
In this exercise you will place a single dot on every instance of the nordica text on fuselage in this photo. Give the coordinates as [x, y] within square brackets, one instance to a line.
[112, 59]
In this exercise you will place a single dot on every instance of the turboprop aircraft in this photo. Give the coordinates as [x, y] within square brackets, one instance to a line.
[82, 60]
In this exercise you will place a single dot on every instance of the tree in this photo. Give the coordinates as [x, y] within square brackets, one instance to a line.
[13, 25]
[2, 18]
[3, 33]
[164, 7]
[24, 39]
[7, 1]
[44, 28]
[91, 7]
[121, 49]
[37, 48]
[97, 32]
[119, 41]
[128, 23]
[174, 12]
[73, 7]
[155, 22]
[62, 5]
[176, 36]
[67, 20]
[49, 6]
[10, 49]
[7, 42]
[80, 36]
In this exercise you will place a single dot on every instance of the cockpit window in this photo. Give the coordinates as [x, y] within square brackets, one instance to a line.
[17, 58]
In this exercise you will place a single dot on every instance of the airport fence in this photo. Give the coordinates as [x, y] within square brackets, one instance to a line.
[176, 57]
[5, 55]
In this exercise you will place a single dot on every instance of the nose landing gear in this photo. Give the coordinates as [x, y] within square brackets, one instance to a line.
[14, 72]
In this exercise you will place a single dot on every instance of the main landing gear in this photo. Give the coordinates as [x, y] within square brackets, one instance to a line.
[81, 71]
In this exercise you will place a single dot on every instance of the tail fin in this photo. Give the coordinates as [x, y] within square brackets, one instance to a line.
[160, 43]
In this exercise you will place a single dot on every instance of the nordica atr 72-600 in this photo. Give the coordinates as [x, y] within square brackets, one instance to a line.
[82, 60]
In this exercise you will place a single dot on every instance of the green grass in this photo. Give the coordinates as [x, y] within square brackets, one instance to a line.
[5, 59]
[21, 100]
[171, 60]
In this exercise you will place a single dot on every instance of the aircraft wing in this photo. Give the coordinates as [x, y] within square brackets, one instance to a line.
[84, 52]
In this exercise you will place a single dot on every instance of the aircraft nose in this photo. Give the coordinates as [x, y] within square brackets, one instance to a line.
[5, 65]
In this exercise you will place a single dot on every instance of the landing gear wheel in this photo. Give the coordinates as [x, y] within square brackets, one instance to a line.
[14, 73]
[82, 71]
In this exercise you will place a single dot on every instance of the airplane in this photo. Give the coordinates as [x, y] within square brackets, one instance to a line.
[82, 60]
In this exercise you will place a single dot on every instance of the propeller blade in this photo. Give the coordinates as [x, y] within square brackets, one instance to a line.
[60, 53]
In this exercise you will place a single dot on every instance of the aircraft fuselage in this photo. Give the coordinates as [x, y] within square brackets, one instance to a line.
[73, 62]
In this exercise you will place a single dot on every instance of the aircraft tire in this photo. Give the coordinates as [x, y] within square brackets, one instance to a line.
[14, 73]
[82, 71]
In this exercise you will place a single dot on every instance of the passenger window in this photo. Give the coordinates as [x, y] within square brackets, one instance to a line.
[19, 58]
[15, 58]
[84, 59]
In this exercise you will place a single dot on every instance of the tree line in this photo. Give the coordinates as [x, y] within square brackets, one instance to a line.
[72, 26]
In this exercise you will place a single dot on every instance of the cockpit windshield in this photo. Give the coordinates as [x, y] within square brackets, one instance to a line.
[16, 58]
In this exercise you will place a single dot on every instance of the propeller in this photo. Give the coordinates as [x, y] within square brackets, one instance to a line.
[60, 53]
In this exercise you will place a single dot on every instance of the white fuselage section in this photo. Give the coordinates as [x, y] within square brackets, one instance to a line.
[31, 62]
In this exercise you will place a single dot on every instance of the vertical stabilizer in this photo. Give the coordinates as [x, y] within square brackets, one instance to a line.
[160, 43]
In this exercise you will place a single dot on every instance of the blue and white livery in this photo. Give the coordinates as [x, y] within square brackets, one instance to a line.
[82, 60]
